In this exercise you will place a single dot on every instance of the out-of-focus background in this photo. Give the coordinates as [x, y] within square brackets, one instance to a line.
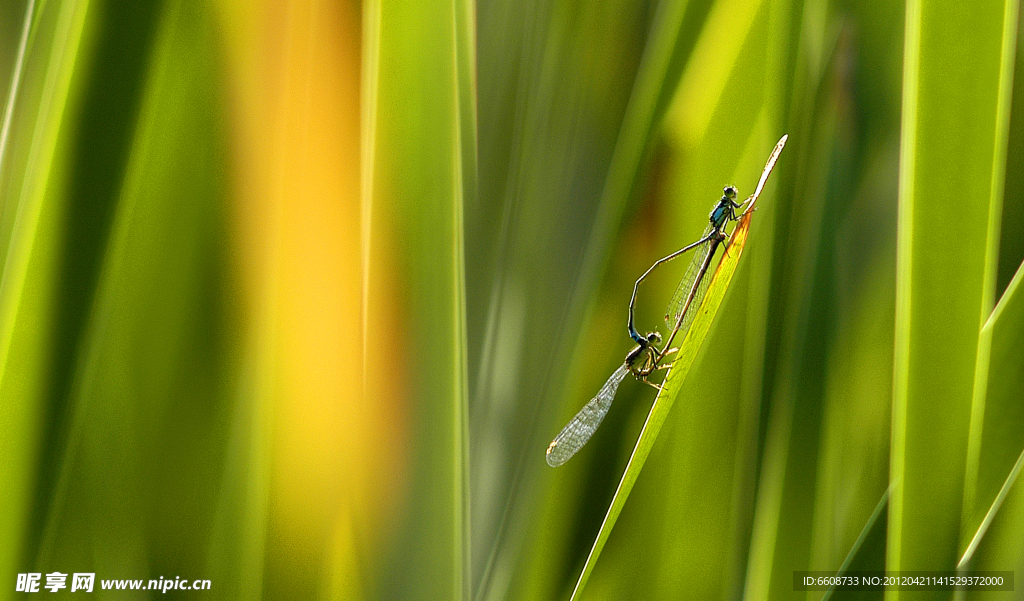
[294, 294]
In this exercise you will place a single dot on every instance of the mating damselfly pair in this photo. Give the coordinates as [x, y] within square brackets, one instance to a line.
[646, 357]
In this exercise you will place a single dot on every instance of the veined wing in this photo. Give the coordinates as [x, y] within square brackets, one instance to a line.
[698, 298]
[578, 431]
[675, 306]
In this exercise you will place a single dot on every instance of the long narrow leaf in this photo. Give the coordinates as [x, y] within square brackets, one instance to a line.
[999, 422]
[423, 169]
[681, 364]
[33, 153]
[952, 150]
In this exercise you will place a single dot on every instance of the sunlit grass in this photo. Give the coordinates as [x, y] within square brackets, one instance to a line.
[295, 294]
[951, 184]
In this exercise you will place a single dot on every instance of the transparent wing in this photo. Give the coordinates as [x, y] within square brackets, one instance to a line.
[698, 298]
[578, 431]
[675, 306]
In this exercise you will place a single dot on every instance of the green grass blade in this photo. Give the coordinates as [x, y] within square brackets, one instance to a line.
[950, 190]
[988, 456]
[991, 514]
[682, 362]
[998, 431]
[1011, 242]
[572, 187]
[33, 152]
[1001, 546]
[142, 399]
[18, 68]
[728, 106]
[868, 551]
[996, 543]
[422, 173]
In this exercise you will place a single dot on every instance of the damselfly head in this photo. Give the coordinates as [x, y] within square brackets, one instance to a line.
[730, 192]
[653, 338]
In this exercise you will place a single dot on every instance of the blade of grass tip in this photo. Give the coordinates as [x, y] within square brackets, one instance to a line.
[670, 390]
[991, 525]
[1004, 326]
[768, 170]
[875, 526]
[968, 555]
[1009, 296]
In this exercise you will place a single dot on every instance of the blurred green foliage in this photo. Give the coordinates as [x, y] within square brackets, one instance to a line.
[295, 294]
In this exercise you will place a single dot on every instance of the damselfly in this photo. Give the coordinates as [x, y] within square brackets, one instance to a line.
[643, 360]
[694, 285]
